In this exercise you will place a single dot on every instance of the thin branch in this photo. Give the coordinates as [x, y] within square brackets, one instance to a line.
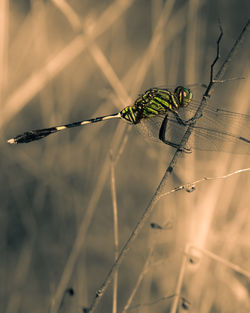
[179, 282]
[116, 233]
[161, 187]
[232, 52]
[234, 267]
[189, 187]
[217, 55]
[137, 284]
[122, 146]
[184, 302]
[68, 292]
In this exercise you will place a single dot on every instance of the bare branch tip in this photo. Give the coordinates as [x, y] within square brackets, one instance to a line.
[220, 27]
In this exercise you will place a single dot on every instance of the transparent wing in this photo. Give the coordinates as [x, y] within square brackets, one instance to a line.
[220, 119]
[216, 130]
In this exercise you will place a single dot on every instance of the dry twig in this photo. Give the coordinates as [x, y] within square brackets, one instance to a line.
[160, 189]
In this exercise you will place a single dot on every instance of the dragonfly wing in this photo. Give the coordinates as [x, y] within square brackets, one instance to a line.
[150, 128]
[213, 140]
[221, 120]
[203, 137]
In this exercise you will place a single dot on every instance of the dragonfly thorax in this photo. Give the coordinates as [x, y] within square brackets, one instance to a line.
[135, 113]
[155, 102]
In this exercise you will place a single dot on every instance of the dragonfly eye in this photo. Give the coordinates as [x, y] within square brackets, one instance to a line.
[184, 95]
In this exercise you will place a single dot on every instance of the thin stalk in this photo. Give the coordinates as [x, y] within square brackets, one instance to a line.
[116, 233]
[160, 189]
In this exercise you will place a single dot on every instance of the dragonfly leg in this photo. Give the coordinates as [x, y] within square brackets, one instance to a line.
[162, 137]
[187, 122]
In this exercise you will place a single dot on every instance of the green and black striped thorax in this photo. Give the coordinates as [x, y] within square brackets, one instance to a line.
[155, 102]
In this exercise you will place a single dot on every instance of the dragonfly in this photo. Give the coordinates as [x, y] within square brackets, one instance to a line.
[165, 115]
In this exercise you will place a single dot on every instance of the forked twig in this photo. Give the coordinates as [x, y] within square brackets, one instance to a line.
[190, 187]
[169, 170]
[217, 54]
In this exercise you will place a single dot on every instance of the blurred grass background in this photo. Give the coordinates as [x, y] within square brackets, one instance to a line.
[66, 61]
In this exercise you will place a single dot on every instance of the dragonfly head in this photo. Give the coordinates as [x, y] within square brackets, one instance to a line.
[184, 95]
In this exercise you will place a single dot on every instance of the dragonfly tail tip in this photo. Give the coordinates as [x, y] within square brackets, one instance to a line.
[12, 141]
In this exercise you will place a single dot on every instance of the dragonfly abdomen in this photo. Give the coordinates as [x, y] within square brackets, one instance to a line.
[131, 114]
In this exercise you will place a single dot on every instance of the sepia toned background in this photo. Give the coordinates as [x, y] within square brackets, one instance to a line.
[64, 61]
